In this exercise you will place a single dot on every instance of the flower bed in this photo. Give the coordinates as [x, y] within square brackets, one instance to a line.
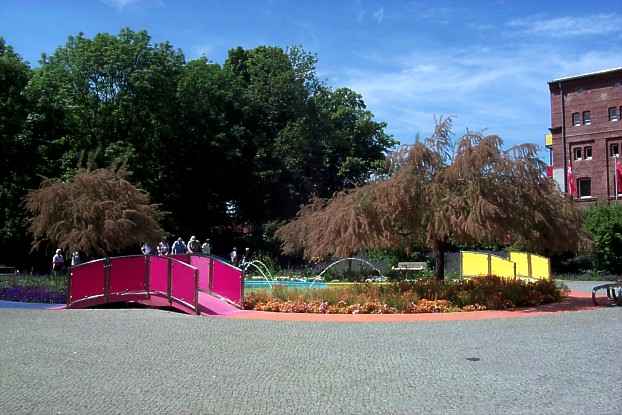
[423, 296]
[34, 289]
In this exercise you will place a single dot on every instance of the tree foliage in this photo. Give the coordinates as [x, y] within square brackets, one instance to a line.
[472, 192]
[604, 223]
[97, 212]
[18, 152]
[224, 147]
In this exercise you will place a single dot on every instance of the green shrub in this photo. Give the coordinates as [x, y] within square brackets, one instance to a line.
[604, 223]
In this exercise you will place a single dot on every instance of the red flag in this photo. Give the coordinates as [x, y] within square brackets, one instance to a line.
[619, 175]
[572, 183]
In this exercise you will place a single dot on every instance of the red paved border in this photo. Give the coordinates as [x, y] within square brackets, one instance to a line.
[576, 301]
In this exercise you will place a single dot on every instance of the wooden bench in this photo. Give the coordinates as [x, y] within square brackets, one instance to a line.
[411, 266]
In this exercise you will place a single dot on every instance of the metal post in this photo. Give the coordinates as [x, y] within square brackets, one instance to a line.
[211, 275]
[147, 274]
[489, 265]
[69, 289]
[460, 261]
[529, 269]
[107, 271]
[196, 292]
[169, 288]
[242, 287]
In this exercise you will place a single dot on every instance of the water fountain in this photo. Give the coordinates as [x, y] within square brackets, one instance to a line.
[257, 264]
[346, 259]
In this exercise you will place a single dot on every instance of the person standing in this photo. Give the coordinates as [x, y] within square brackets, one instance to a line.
[194, 246]
[234, 256]
[75, 259]
[163, 248]
[206, 248]
[58, 262]
[146, 249]
[247, 256]
[179, 247]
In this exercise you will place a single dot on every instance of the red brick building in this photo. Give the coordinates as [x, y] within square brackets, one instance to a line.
[586, 133]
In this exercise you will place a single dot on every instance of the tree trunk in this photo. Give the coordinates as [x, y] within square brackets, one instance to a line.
[439, 258]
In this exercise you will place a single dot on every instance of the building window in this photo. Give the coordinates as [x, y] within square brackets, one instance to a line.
[576, 119]
[577, 153]
[614, 115]
[585, 188]
[587, 153]
[587, 118]
[614, 150]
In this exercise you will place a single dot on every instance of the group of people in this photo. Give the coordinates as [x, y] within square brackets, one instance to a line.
[179, 247]
[58, 261]
[235, 258]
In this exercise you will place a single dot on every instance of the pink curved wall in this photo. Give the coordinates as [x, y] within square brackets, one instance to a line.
[127, 274]
[158, 274]
[178, 277]
[183, 282]
[87, 280]
[202, 263]
[227, 281]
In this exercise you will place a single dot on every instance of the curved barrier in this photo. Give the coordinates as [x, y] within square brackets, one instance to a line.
[531, 265]
[520, 264]
[127, 276]
[227, 281]
[157, 281]
[87, 282]
[613, 290]
[476, 264]
[473, 264]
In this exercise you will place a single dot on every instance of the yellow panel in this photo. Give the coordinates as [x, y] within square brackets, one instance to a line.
[502, 267]
[474, 264]
[540, 268]
[548, 139]
[522, 263]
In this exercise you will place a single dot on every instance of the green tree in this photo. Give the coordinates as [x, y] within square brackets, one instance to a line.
[115, 93]
[17, 155]
[473, 193]
[604, 224]
[226, 148]
[307, 139]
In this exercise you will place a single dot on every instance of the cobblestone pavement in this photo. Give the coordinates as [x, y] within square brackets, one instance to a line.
[159, 362]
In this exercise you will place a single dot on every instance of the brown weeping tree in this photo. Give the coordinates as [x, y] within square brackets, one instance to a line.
[440, 194]
[98, 212]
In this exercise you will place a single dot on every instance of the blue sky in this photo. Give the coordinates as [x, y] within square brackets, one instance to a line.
[486, 63]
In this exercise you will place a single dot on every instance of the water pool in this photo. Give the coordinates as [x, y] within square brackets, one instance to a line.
[289, 284]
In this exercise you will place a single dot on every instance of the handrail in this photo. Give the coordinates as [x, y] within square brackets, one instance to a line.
[611, 292]
[87, 263]
[224, 261]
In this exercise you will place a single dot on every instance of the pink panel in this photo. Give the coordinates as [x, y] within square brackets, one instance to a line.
[227, 281]
[183, 282]
[158, 274]
[203, 264]
[127, 274]
[87, 280]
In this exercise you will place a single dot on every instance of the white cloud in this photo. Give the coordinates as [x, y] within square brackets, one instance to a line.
[122, 4]
[499, 89]
[568, 26]
[379, 15]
